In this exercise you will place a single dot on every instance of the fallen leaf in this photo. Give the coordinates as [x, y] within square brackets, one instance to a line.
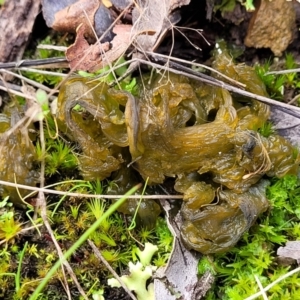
[80, 12]
[290, 250]
[67, 15]
[286, 125]
[167, 284]
[85, 57]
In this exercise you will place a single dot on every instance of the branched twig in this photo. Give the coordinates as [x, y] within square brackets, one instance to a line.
[103, 260]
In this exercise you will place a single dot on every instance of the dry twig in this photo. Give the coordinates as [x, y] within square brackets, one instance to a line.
[107, 265]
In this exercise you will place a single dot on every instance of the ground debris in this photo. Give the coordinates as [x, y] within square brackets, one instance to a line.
[91, 20]
[85, 57]
[67, 15]
[272, 26]
[15, 27]
[290, 250]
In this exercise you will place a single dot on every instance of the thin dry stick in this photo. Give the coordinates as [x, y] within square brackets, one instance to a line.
[294, 99]
[52, 47]
[104, 261]
[32, 82]
[43, 207]
[292, 110]
[254, 296]
[9, 90]
[284, 71]
[42, 72]
[155, 55]
[38, 63]
[49, 191]
[261, 287]
[289, 109]
[42, 204]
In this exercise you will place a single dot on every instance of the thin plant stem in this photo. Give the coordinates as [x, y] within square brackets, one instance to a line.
[256, 295]
[81, 240]
[261, 287]
[104, 261]
[18, 274]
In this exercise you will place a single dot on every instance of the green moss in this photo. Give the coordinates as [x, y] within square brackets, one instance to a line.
[277, 83]
[267, 129]
[229, 5]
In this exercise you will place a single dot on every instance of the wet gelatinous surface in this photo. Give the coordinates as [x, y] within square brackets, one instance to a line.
[17, 157]
[184, 129]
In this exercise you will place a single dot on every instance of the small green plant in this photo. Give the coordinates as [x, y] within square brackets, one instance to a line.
[9, 227]
[229, 5]
[291, 78]
[277, 83]
[267, 129]
[46, 79]
[127, 84]
[274, 83]
[59, 155]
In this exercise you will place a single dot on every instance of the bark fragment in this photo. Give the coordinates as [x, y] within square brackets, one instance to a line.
[17, 19]
[272, 26]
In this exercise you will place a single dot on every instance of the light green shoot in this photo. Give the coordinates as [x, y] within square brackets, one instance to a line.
[248, 5]
[42, 100]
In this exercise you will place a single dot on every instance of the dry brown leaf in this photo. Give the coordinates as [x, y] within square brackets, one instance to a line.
[67, 15]
[82, 56]
[80, 12]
